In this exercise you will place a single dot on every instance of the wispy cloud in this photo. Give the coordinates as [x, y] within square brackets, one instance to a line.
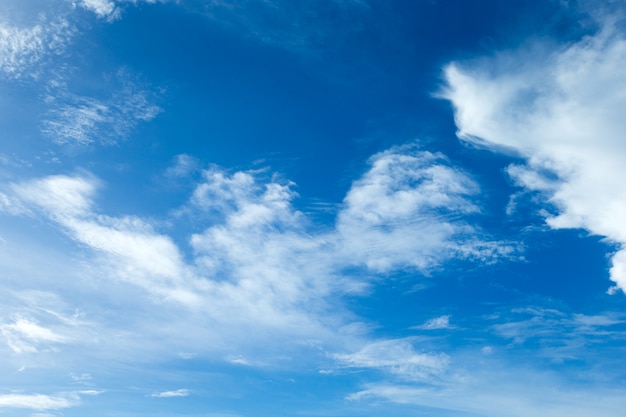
[35, 51]
[40, 401]
[24, 48]
[475, 381]
[110, 10]
[183, 166]
[171, 394]
[492, 394]
[556, 335]
[409, 210]
[83, 120]
[441, 322]
[23, 334]
[398, 357]
[561, 110]
[259, 263]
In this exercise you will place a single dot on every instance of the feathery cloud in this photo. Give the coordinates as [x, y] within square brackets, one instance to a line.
[39, 401]
[398, 357]
[441, 322]
[23, 48]
[409, 210]
[171, 394]
[81, 120]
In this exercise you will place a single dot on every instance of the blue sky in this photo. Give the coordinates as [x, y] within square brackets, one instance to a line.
[246, 208]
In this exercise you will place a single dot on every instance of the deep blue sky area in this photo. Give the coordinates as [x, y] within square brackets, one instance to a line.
[337, 208]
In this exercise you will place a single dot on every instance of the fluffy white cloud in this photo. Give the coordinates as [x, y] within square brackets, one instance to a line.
[562, 111]
[409, 210]
[252, 268]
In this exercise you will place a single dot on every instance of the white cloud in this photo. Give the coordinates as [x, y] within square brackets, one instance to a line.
[142, 256]
[82, 379]
[102, 8]
[23, 47]
[39, 401]
[82, 120]
[478, 381]
[32, 330]
[109, 10]
[259, 249]
[40, 324]
[33, 50]
[563, 111]
[245, 276]
[183, 166]
[171, 394]
[560, 335]
[441, 322]
[257, 272]
[59, 195]
[498, 397]
[409, 210]
[398, 357]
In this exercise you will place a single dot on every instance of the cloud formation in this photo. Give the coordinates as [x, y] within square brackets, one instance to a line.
[102, 8]
[257, 262]
[25, 334]
[398, 357]
[562, 111]
[437, 323]
[41, 402]
[171, 394]
[109, 10]
[23, 48]
[408, 210]
[82, 120]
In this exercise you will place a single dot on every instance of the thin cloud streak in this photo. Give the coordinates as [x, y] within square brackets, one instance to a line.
[40, 401]
[171, 394]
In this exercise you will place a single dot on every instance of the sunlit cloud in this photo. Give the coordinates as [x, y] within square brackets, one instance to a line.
[398, 357]
[260, 263]
[562, 112]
